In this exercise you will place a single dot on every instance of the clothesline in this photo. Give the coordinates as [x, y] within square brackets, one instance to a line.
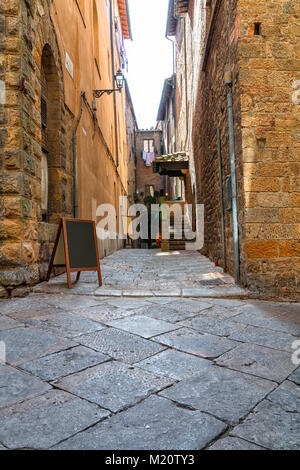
[148, 158]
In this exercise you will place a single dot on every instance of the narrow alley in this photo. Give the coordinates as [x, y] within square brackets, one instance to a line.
[149, 227]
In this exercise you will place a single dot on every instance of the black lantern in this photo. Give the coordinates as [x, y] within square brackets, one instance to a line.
[119, 79]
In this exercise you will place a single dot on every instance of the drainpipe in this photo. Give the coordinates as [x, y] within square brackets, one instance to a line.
[233, 184]
[113, 75]
[75, 162]
[221, 197]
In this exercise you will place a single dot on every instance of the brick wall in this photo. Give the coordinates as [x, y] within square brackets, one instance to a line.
[144, 174]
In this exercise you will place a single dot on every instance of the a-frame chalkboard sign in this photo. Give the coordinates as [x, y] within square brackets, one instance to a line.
[76, 249]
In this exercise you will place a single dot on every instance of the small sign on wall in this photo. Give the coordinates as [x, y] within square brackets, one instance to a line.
[296, 94]
[69, 65]
[2, 92]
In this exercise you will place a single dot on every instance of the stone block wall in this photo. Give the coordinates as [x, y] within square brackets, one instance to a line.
[259, 42]
[221, 54]
[269, 60]
[25, 240]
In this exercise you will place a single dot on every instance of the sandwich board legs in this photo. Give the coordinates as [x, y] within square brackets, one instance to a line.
[54, 252]
[61, 256]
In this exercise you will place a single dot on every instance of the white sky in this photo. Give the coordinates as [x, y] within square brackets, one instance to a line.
[149, 57]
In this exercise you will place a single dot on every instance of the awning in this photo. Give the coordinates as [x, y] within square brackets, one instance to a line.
[174, 165]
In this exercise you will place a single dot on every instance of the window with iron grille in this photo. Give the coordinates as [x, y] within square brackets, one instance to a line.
[44, 112]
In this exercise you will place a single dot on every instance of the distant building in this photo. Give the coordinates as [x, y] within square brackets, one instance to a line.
[148, 147]
[132, 128]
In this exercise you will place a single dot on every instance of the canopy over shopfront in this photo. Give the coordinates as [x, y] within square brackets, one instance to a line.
[173, 165]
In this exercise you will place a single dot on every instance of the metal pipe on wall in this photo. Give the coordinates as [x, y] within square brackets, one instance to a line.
[234, 187]
[113, 75]
[221, 197]
[75, 160]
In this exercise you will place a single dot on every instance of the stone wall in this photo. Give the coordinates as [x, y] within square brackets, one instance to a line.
[259, 43]
[269, 58]
[25, 240]
[211, 114]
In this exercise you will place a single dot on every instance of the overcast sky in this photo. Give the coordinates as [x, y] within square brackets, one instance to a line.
[150, 58]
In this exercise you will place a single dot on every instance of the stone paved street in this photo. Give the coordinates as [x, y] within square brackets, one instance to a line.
[168, 354]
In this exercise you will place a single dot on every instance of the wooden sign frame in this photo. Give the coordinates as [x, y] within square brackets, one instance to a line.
[62, 230]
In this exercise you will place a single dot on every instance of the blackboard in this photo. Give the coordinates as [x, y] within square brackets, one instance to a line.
[81, 244]
[76, 248]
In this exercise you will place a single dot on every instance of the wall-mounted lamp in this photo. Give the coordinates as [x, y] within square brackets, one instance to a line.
[119, 79]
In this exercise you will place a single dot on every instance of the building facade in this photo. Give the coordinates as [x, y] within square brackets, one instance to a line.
[148, 142]
[132, 128]
[63, 152]
[247, 52]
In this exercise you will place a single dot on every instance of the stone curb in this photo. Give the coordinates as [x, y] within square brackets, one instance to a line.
[229, 293]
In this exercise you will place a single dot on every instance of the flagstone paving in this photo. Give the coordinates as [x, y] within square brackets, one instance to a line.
[64, 363]
[121, 345]
[153, 360]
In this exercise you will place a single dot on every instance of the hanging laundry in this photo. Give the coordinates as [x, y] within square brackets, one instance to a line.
[148, 159]
[144, 155]
[152, 158]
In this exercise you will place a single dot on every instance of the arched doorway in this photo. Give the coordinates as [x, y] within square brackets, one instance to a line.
[51, 127]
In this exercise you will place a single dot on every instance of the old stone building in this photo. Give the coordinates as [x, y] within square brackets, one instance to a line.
[63, 152]
[132, 128]
[166, 119]
[258, 44]
[148, 142]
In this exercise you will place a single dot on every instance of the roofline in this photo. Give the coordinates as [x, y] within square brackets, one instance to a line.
[125, 18]
[170, 16]
[128, 94]
[177, 8]
[128, 19]
[167, 84]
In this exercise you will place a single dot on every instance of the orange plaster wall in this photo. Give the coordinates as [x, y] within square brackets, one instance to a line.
[77, 35]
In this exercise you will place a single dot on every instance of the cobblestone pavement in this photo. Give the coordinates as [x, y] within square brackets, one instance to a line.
[164, 371]
[151, 272]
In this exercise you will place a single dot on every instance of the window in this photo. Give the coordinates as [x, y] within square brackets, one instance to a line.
[149, 145]
[44, 112]
[149, 190]
[257, 29]
[50, 125]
